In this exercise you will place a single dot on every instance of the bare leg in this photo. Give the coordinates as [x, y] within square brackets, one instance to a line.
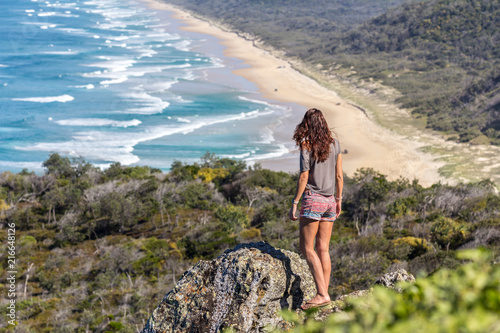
[323, 249]
[308, 231]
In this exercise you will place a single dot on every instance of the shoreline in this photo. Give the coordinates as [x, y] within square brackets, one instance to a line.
[368, 144]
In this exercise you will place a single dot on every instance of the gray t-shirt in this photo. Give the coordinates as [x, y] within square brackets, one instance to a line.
[321, 175]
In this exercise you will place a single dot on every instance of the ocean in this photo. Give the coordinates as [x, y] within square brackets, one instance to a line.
[115, 81]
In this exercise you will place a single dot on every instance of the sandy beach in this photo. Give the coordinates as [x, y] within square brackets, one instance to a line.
[368, 144]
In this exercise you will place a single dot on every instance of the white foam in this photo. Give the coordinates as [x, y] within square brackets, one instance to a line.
[90, 149]
[243, 98]
[49, 99]
[23, 165]
[183, 45]
[47, 14]
[157, 86]
[183, 120]
[147, 104]
[266, 136]
[87, 86]
[236, 155]
[188, 76]
[112, 26]
[115, 68]
[48, 26]
[282, 150]
[115, 13]
[269, 105]
[61, 52]
[66, 5]
[62, 15]
[76, 31]
[29, 10]
[162, 37]
[114, 81]
[115, 64]
[98, 122]
[119, 38]
[149, 53]
[3, 66]
[118, 147]
[178, 99]
[216, 62]
[118, 70]
[91, 74]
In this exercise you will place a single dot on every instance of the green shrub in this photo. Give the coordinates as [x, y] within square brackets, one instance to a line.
[197, 195]
[158, 247]
[410, 247]
[401, 206]
[233, 218]
[182, 172]
[268, 212]
[211, 249]
[448, 233]
[252, 233]
[115, 326]
[27, 241]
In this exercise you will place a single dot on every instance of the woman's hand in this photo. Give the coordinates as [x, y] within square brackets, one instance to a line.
[293, 211]
[338, 208]
[301, 186]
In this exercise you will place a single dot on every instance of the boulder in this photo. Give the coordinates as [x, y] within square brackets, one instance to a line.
[389, 280]
[244, 288]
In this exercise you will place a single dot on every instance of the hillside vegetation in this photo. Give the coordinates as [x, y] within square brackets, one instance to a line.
[291, 25]
[98, 249]
[443, 56]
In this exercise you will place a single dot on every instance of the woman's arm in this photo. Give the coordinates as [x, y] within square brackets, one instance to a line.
[301, 186]
[339, 185]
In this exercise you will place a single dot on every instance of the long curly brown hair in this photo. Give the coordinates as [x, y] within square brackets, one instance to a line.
[313, 134]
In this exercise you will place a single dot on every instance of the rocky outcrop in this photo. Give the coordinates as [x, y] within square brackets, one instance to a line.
[244, 288]
[390, 280]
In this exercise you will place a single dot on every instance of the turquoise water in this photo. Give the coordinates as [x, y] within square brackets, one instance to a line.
[115, 81]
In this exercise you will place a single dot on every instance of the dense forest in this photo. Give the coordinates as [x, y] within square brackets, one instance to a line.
[98, 249]
[443, 56]
[291, 25]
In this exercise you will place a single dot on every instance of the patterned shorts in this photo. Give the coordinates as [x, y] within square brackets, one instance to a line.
[318, 207]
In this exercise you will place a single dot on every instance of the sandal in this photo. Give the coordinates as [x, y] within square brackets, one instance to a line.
[309, 305]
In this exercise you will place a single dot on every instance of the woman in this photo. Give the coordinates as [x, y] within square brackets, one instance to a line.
[321, 181]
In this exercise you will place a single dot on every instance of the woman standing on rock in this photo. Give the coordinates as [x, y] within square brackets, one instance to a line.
[321, 181]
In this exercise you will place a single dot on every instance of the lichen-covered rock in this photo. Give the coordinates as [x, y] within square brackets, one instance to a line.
[244, 289]
[389, 280]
